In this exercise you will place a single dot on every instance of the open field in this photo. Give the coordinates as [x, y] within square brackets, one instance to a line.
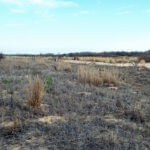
[48, 104]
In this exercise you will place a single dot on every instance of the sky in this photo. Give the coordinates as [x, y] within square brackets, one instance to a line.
[64, 26]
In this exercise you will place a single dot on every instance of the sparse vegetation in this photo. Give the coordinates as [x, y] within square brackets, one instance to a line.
[98, 113]
[63, 66]
[35, 71]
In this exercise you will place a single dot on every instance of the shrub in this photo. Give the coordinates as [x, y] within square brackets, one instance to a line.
[35, 92]
[47, 84]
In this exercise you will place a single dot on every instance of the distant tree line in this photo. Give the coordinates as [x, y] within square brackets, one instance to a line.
[141, 55]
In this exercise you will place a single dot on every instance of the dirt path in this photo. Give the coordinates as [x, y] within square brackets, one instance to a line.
[147, 65]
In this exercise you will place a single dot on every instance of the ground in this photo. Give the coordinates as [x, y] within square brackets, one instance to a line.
[73, 115]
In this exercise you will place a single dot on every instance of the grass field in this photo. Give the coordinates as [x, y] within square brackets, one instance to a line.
[45, 104]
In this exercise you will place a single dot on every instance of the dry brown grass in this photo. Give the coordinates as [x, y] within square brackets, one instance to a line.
[63, 66]
[92, 75]
[42, 61]
[89, 75]
[110, 76]
[142, 62]
[36, 91]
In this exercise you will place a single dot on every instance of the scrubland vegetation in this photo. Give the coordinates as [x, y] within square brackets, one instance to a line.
[47, 103]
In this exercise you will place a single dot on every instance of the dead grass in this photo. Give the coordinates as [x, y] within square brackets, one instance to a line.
[142, 62]
[42, 61]
[35, 92]
[63, 66]
[91, 75]
[110, 76]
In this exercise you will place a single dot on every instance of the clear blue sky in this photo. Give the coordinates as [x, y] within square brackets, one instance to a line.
[58, 26]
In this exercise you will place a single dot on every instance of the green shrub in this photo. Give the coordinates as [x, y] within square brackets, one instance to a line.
[47, 84]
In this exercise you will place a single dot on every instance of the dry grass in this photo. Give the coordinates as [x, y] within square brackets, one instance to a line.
[89, 75]
[142, 62]
[110, 76]
[42, 61]
[35, 92]
[92, 75]
[63, 66]
[74, 115]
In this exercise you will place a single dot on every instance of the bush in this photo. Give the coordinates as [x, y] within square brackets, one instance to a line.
[35, 92]
[47, 84]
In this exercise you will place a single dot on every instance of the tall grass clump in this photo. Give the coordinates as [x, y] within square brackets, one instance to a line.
[91, 75]
[36, 91]
[110, 76]
[63, 66]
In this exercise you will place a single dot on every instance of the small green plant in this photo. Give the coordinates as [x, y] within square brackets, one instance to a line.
[47, 84]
